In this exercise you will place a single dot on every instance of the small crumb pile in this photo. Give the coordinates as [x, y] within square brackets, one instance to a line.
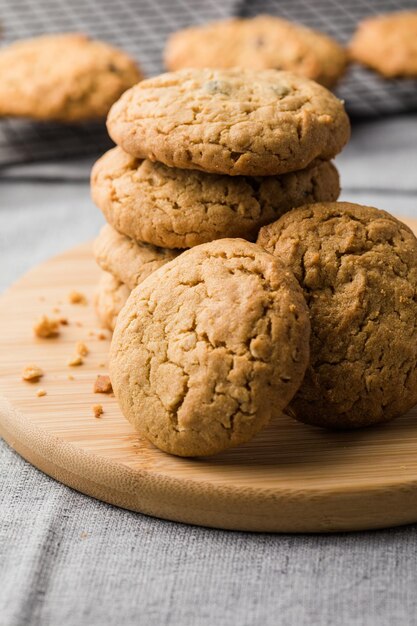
[81, 351]
[102, 384]
[98, 410]
[32, 373]
[76, 297]
[46, 327]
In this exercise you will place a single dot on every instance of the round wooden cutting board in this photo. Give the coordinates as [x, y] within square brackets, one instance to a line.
[291, 478]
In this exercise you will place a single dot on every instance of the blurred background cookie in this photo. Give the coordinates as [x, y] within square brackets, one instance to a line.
[66, 77]
[263, 42]
[387, 44]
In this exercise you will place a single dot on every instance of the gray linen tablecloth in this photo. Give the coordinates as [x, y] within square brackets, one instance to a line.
[66, 559]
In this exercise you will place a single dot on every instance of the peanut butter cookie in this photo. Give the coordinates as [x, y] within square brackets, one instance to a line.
[110, 298]
[263, 42]
[128, 260]
[358, 269]
[236, 122]
[387, 44]
[66, 77]
[175, 208]
[210, 347]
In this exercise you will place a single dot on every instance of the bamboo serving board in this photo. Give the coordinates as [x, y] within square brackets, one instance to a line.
[291, 478]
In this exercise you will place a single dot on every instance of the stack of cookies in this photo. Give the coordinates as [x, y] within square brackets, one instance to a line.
[316, 319]
[207, 154]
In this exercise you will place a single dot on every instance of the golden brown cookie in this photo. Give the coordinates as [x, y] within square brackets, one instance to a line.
[387, 44]
[66, 77]
[128, 260]
[263, 42]
[210, 347]
[110, 297]
[236, 122]
[358, 269]
[175, 208]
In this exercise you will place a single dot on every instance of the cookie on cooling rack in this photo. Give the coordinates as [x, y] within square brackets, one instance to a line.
[358, 269]
[66, 77]
[210, 347]
[263, 42]
[387, 44]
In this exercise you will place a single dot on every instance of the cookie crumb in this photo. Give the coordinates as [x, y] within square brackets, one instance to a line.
[75, 361]
[82, 349]
[76, 297]
[98, 410]
[70, 377]
[46, 327]
[79, 324]
[102, 365]
[102, 384]
[56, 309]
[40, 393]
[63, 321]
[101, 336]
[32, 373]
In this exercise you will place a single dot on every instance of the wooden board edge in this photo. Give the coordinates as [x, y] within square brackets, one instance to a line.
[218, 507]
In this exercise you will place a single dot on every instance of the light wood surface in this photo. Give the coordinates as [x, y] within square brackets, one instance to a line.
[291, 478]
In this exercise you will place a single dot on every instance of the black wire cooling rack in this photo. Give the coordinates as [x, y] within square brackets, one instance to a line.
[141, 28]
[365, 94]
[138, 26]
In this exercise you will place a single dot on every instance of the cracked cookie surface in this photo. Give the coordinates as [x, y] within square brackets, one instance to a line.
[177, 208]
[235, 121]
[263, 42]
[67, 77]
[210, 347]
[109, 299]
[128, 260]
[387, 44]
[358, 268]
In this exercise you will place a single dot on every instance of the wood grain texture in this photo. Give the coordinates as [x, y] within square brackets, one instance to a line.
[291, 478]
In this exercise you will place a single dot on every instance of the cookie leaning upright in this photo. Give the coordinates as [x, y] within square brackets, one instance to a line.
[210, 347]
[66, 77]
[358, 268]
[236, 122]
